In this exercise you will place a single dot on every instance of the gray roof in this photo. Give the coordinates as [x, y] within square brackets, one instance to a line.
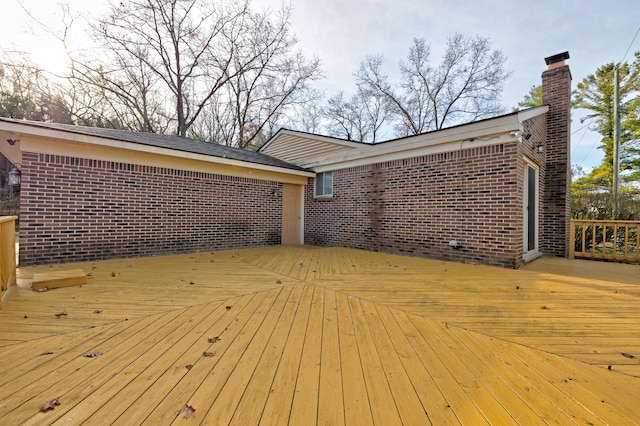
[173, 142]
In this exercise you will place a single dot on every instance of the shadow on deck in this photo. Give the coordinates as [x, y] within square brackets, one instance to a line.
[307, 335]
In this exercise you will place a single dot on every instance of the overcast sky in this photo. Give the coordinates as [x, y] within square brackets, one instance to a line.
[342, 32]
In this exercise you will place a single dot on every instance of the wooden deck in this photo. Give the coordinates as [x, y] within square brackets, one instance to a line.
[306, 335]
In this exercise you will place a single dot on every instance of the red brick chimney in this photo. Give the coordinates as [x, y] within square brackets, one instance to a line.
[556, 207]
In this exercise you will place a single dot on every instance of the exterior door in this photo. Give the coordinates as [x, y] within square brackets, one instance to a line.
[292, 214]
[530, 208]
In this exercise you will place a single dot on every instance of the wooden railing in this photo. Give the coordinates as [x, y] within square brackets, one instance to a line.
[603, 239]
[7, 253]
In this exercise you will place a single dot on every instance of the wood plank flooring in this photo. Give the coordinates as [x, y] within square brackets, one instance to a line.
[308, 335]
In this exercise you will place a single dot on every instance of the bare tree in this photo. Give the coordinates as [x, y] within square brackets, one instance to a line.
[466, 86]
[27, 93]
[212, 70]
[359, 118]
[266, 77]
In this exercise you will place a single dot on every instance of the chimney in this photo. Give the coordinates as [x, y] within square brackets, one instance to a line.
[556, 205]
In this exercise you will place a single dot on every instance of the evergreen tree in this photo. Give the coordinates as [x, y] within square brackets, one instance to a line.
[596, 94]
[531, 99]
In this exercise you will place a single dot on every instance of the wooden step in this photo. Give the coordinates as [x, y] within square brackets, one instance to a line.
[55, 279]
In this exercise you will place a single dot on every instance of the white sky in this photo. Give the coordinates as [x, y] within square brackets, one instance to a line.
[342, 32]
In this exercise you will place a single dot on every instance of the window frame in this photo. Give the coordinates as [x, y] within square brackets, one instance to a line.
[322, 178]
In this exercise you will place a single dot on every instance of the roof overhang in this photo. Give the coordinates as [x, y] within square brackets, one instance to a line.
[498, 130]
[294, 146]
[27, 138]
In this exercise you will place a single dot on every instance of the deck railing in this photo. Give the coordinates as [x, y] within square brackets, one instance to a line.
[7, 253]
[616, 240]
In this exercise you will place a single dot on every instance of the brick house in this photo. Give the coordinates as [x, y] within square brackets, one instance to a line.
[494, 191]
[91, 193]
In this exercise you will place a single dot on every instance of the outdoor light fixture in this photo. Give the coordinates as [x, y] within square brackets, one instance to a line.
[14, 177]
[539, 147]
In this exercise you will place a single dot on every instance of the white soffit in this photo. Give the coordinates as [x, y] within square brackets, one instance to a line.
[295, 147]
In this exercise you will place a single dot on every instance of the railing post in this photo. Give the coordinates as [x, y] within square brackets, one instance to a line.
[572, 239]
[7, 254]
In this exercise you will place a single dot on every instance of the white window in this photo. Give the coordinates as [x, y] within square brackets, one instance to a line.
[324, 184]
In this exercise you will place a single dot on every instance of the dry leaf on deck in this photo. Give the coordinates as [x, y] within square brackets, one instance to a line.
[188, 411]
[113, 274]
[92, 354]
[278, 282]
[208, 354]
[61, 314]
[626, 355]
[214, 339]
[97, 311]
[50, 405]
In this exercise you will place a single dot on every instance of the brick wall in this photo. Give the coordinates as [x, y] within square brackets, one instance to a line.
[556, 92]
[75, 209]
[416, 206]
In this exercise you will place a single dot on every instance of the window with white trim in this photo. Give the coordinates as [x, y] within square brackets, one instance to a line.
[324, 184]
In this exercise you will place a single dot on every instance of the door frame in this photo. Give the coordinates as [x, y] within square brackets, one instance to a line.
[298, 190]
[530, 254]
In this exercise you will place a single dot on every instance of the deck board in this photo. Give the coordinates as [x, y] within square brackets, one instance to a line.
[311, 335]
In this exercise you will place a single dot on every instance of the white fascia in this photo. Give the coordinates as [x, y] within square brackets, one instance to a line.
[483, 133]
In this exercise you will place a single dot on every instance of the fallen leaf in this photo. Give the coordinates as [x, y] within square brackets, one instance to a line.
[609, 368]
[97, 311]
[113, 274]
[211, 261]
[626, 355]
[25, 317]
[517, 287]
[208, 354]
[188, 366]
[188, 411]
[46, 353]
[543, 307]
[90, 274]
[50, 405]
[227, 307]
[278, 282]
[214, 339]
[93, 354]
[93, 267]
[61, 314]
[191, 282]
